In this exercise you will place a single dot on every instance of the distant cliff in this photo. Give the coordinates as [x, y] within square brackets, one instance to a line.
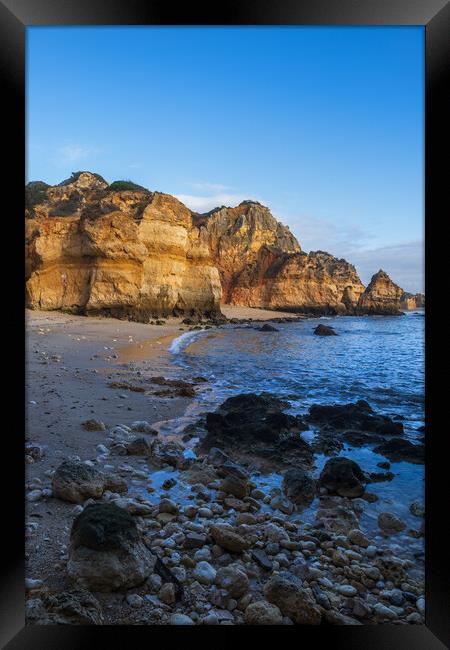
[121, 250]
[412, 301]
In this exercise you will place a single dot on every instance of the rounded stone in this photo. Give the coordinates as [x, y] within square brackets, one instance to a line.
[389, 523]
[180, 619]
[233, 580]
[204, 573]
[263, 613]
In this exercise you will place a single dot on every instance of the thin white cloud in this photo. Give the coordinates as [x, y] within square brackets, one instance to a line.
[210, 187]
[199, 203]
[404, 263]
[316, 233]
[71, 153]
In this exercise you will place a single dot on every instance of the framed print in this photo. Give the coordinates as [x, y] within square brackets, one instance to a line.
[229, 414]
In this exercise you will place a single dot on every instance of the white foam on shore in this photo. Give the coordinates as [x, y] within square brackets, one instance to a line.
[181, 342]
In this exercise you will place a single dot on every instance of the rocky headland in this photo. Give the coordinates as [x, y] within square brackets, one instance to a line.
[121, 250]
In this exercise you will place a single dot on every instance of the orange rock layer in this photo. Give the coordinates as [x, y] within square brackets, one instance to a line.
[132, 253]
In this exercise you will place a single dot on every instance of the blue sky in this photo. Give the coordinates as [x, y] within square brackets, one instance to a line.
[323, 125]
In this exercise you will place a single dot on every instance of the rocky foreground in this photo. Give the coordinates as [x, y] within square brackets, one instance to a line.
[123, 251]
[142, 532]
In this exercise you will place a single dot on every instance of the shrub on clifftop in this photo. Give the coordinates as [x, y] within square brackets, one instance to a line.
[76, 175]
[122, 186]
[35, 192]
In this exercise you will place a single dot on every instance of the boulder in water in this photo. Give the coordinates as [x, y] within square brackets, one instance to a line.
[268, 328]
[299, 486]
[397, 449]
[251, 416]
[324, 330]
[344, 477]
[358, 416]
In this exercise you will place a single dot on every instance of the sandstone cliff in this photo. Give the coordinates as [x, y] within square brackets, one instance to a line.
[235, 237]
[381, 296]
[261, 264]
[412, 301]
[125, 253]
[121, 250]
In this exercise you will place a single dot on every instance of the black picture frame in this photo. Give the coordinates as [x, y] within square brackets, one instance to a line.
[15, 16]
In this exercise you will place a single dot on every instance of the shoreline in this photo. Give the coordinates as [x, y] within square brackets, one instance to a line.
[70, 360]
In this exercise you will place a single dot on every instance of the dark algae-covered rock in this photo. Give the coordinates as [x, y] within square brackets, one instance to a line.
[77, 606]
[106, 550]
[324, 330]
[358, 416]
[103, 526]
[257, 424]
[268, 328]
[252, 416]
[72, 607]
[299, 486]
[397, 449]
[344, 477]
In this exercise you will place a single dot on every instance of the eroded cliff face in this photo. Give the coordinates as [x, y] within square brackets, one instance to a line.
[315, 282]
[412, 301]
[129, 254]
[382, 296]
[138, 254]
[261, 264]
[236, 236]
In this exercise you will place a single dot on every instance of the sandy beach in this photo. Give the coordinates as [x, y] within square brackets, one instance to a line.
[122, 375]
[70, 360]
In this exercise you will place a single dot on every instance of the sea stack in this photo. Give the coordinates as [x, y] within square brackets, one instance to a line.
[382, 296]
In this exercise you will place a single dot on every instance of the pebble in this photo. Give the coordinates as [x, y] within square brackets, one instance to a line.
[357, 537]
[389, 523]
[154, 582]
[180, 619]
[347, 590]
[234, 580]
[384, 612]
[168, 506]
[203, 554]
[257, 494]
[205, 512]
[134, 600]
[396, 598]
[417, 509]
[371, 550]
[211, 619]
[194, 540]
[34, 495]
[205, 573]
[167, 593]
[420, 604]
[263, 613]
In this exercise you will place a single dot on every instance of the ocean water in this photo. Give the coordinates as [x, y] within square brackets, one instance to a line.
[378, 359]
